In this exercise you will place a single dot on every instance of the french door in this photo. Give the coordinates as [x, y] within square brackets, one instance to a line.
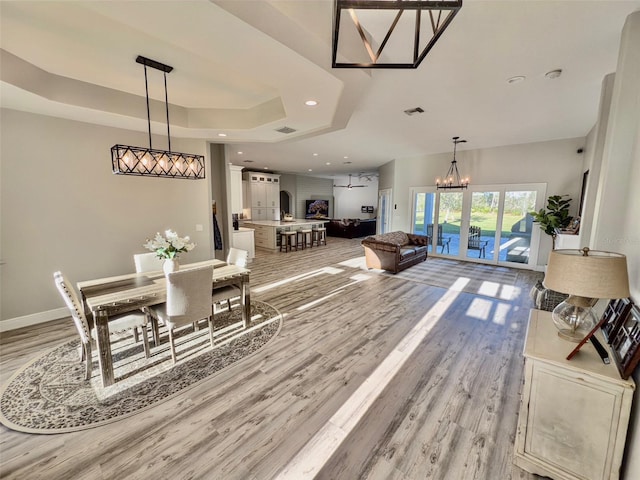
[489, 224]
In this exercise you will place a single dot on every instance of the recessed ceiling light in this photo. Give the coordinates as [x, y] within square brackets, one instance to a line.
[345, 156]
[516, 79]
[266, 168]
[311, 103]
[222, 134]
[310, 170]
[315, 154]
[553, 73]
[239, 153]
[328, 163]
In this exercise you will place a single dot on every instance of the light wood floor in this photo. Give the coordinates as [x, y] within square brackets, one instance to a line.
[448, 413]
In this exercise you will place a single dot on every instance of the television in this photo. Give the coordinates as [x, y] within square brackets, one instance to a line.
[317, 209]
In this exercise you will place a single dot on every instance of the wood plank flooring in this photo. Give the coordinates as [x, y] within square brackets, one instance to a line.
[449, 412]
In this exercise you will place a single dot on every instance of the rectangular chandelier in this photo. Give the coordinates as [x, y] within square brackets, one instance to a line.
[128, 160]
[388, 33]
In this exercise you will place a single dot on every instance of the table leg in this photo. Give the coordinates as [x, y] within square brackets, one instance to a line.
[104, 348]
[245, 300]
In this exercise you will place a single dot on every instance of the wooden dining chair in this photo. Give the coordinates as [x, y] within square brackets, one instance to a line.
[237, 257]
[117, 323]
[188, 301]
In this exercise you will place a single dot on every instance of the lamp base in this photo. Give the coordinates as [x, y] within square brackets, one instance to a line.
[574, 318]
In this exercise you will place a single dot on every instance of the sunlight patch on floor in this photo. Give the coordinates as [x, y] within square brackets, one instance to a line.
[297, 278]
[356, 279]
[358, 262]
[319, 449]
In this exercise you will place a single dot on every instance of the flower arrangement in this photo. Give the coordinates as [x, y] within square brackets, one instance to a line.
[170, 245]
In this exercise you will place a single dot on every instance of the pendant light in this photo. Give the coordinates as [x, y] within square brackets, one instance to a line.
[128, 160]
[453, 180]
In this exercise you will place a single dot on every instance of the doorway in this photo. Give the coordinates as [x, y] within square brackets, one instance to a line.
[384, 211]
[285, 202]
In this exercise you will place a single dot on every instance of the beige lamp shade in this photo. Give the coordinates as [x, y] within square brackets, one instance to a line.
[588, 273]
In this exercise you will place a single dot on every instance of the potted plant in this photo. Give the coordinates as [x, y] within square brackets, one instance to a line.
[555, 217]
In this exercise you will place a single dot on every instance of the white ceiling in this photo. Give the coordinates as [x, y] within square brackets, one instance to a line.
[245, 68]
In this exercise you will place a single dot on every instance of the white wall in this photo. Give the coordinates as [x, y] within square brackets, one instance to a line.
[63, 209]
[348, 201]
[555, 163]
[616, 224]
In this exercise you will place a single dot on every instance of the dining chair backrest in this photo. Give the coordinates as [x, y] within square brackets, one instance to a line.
[237, 257]
[189, 295]
[147, 262]
[74, 305]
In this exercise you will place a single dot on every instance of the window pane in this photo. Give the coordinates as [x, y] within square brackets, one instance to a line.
[517, 225]
[449, 218]
[482, 225]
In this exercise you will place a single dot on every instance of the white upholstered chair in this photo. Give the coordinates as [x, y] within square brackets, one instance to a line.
[147, 262]
[188, 301]
[237, 257]
[117, 323]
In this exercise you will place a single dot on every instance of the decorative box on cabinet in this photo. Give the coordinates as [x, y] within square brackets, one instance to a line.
[573, 413]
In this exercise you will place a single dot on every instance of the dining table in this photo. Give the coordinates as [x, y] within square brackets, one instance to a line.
[104, 297]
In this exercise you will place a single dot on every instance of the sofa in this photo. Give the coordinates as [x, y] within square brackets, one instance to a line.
[395, 251]
[351, 227]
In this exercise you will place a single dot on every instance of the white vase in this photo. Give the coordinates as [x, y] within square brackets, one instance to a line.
[170, 265]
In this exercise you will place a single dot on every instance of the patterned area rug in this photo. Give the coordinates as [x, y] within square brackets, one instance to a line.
[488, 280]
[50, 395]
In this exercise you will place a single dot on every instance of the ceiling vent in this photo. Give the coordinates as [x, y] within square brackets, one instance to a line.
[286, 130]
[413, 111]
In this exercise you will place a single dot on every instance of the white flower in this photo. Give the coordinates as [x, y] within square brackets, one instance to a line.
[170, 245]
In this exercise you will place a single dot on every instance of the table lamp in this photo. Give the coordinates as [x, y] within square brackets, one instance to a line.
[585, 275]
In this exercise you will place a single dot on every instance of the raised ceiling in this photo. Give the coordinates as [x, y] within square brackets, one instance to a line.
[245, 69]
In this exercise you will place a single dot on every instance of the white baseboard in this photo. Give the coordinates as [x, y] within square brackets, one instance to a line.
[33, 319]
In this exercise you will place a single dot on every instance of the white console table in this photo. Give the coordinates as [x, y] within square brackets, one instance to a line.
[573, 414]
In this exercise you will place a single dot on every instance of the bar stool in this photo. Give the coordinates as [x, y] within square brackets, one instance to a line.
[288, 241]
[319, 235]
[301, 238]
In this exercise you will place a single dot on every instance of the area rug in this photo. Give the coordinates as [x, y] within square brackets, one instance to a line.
[479, 279]
[50, 395]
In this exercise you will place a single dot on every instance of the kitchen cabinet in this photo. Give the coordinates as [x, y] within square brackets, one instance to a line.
[263, 193]
[236, 189]
[573, 413]
[243, 238]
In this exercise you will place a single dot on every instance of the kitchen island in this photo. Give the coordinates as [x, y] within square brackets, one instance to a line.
[267, 232]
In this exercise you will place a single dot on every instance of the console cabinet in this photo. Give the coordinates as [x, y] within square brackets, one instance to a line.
[573, 413]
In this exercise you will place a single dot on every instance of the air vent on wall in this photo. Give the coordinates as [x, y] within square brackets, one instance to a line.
[285, 130]
[413, 111]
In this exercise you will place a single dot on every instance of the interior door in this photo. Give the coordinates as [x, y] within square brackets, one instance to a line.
[384, 211]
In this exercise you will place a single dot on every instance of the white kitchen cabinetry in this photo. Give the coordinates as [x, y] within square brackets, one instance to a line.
[573, 413]
[243, 239]
[263, 192]
[236, 189]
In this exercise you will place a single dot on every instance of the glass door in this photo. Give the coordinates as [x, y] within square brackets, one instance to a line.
[489, 224]
[517, 225]
[449, 222]
[484, 233]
